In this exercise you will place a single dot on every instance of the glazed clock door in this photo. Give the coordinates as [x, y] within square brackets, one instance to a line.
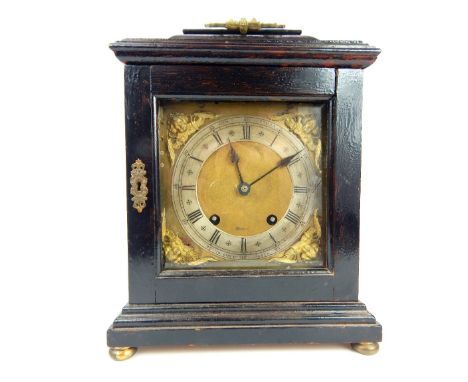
[241, 185]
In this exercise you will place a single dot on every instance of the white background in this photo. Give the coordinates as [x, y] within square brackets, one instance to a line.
[63, 181]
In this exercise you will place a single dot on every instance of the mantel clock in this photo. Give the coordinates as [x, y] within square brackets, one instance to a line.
[243, 160]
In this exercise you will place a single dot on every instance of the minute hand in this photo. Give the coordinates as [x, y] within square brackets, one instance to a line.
[282, 163]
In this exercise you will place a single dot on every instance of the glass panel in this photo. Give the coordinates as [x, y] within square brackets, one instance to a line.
[241, 185]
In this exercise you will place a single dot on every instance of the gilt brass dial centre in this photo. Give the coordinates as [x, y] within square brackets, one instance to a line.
[242, 208]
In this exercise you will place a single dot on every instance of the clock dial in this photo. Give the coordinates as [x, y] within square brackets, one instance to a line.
[244, 188]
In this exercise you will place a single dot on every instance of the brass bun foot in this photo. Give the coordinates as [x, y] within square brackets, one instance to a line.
[366, 348]
[122, 353]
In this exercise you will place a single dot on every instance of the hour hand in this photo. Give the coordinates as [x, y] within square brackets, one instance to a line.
[234, 157]
[233, 154]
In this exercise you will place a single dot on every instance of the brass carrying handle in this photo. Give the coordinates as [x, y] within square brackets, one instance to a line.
[244, 26]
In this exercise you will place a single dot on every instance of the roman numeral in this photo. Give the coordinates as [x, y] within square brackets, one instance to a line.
[274, 139]
[217, 137]
[215, 237]
[243, 245]
[272, 238]
[190, 187]
[194, 158]
[246, 131]
[194, 216]
[292, 217]
[300, 190]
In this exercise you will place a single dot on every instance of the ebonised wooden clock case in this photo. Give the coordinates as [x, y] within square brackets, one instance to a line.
[181, 307]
